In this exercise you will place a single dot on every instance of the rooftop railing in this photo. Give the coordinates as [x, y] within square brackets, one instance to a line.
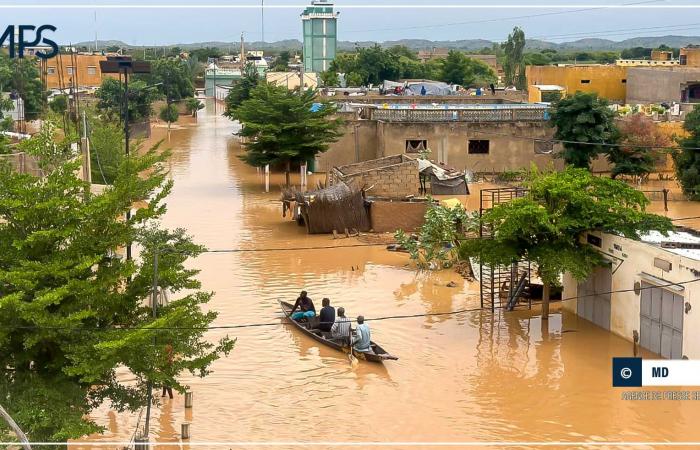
[528, 114]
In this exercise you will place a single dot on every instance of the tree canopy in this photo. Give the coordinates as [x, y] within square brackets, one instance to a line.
[584, 122]
[240, 91]
[21, 75]
[284, 126]
[546, 226]
[468, 72]
[513, 61]
[687, 159]
[173, 78]
[73, 310]
[634, 156]
[110, 98]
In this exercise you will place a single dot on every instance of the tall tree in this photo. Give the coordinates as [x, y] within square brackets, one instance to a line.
[584, 122]
[284, 126]
[173, 77]
[547, 225]
[513, 65]
[110, 98]
[687, 159]
[241, 90]
[74, 312]
[636, 155]
[21, 75]
[282, 61]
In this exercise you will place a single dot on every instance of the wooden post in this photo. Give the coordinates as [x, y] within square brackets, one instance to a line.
[188, 399]
[267, 178]
[545, 300]
[18, 431]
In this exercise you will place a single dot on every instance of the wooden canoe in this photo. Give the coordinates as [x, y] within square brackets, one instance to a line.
[378, 354]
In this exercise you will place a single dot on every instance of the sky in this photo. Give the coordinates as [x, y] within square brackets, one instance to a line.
[159, 22]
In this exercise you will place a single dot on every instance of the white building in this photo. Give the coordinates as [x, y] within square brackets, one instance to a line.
[649, 293]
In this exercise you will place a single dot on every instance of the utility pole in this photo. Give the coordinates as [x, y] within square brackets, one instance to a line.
[154, 308]
[18, 431]
[126, 140]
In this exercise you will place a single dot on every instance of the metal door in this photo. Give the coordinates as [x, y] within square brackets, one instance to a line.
[594, 297]
[661, 321]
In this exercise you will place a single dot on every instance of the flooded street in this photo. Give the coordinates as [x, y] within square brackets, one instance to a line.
[464, 377]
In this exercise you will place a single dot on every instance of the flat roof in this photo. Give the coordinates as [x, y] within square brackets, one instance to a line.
[549, 87]
[676, 237]
[451, 106]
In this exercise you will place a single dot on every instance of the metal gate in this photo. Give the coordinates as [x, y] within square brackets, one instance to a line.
[661, 321]
[593, 302]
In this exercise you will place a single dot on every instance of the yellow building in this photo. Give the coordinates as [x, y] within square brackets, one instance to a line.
[548, 93]
[607, 81]
[61, 69]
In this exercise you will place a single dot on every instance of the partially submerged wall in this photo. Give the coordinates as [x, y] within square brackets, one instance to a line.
[388, 216]
[393, 177]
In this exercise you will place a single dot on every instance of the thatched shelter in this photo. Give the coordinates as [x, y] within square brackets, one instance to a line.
[336, 207]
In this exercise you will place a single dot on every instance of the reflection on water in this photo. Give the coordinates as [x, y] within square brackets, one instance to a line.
[473, 376]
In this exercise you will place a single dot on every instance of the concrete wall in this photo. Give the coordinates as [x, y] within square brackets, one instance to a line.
[387, 217]
[291, 80]
[656, 85]
[605, 80]
[511, 146]
[345, 151]
[692, 55]
[631, 259]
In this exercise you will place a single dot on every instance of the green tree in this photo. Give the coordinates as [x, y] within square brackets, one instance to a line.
[107, 151]
[173, 78]
[459, 69]
[59, 104]
[439, 237]
[282, 62]
[21, 75]
[584, 122]
[546, 226]
[74, 312]
[169, 114]
[329, 78]
[283, 126]
[6, 104]
[687, 159]
[110, 98]
[353, 79]
[193, 105]
[240, 91]
[513, 64]
[634, 156]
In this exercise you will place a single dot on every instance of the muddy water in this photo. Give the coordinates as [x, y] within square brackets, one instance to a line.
[468, 377]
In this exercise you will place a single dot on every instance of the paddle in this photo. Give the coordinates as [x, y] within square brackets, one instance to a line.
[351, 356]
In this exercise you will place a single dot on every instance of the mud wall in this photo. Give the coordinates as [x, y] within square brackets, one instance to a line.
[387, 216]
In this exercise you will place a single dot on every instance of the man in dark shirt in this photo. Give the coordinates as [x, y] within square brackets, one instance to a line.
[305, 306]
[326, 316]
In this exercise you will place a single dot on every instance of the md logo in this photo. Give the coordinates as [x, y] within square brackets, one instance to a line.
[659, 372]
[22, 34]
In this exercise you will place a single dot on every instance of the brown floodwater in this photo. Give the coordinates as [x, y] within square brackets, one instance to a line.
[470, 377]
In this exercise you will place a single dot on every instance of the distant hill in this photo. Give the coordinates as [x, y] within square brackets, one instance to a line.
[420, 44]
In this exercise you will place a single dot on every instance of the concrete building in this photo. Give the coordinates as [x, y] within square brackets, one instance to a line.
[478, 137]
[653, 301]
[680, 84]
[608, 81]
[320, 35]
[216, 75]
[546, 93]
[84, 68]
[690, 56]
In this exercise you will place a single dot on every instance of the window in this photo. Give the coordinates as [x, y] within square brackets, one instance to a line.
[478, 147]
[683, 60]
[624, 80]
[50, 70]
[69, 70]
[92, 70]
[585, 81]
[416, 145]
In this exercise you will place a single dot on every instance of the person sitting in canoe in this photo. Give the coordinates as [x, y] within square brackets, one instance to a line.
[326, 316]
[361, 343]
[341, 326]
[306, 308]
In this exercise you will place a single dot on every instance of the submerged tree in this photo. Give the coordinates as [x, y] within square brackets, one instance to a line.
[687, 159]
[169, 114]
[284, 126]
[110, 98]
[584, 123]
[193, 106]
[547, 225]
[74, 311]
[241, 91]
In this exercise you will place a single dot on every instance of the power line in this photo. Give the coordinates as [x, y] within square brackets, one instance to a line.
[271, 324]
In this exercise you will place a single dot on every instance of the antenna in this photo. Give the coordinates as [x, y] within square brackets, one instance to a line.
[95, 31]
[262, 21]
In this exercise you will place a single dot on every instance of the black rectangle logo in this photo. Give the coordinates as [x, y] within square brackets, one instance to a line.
[627, 372]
